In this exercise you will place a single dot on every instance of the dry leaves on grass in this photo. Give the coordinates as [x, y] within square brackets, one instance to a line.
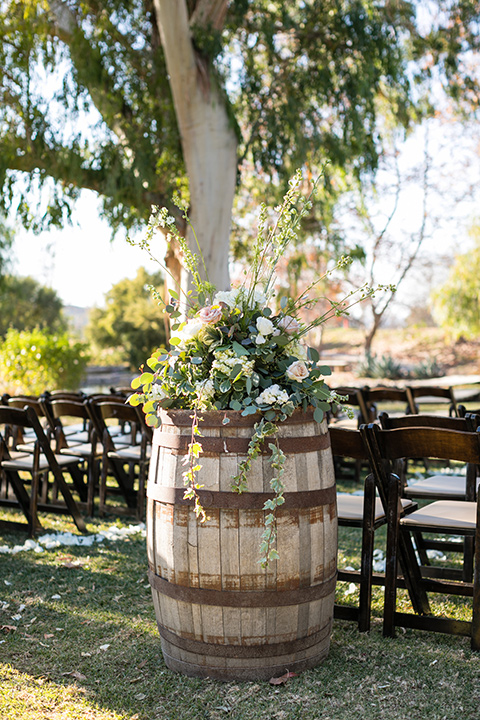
[75, 674]
[282, 679]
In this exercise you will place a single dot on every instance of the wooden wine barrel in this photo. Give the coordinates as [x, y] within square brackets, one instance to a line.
[219, 613]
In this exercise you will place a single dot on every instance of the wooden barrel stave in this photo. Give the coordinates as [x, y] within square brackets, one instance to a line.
[185, 554]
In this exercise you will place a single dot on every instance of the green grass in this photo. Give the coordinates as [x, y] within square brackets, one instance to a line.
[94, 652]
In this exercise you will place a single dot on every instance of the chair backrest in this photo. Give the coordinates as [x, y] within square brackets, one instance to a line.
[110, 407]
[385, 394]
[437, 421]
[387, 446]
[427, 393]
[355, 398]
[27, 418]
[347, 443]
[62, 411]
[75, 395]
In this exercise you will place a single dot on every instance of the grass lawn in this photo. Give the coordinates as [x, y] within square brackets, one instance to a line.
[79, 640]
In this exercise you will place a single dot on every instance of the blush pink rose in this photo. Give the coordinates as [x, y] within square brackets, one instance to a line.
[288, 324]
[210, 314]
[297, 371]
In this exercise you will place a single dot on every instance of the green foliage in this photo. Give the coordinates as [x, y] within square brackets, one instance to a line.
[131, 321]
[25, 304]
[427, 369]
[380, 367]
[32, 362]
[456, 304]
[302, 82]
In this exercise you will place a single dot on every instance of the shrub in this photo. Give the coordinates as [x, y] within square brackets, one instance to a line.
[384, 367]
[426, 369]
[32, 362]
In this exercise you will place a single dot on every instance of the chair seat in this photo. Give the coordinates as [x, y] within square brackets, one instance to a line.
[25, 462]
[82, 450]
[350, 507]
[451, 486]
[454, 516]
[128, 453]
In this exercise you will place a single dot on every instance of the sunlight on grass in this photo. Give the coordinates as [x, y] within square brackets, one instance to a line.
[35, 698]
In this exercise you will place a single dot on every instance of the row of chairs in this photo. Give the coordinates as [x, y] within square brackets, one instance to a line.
[453, 509]
[61, 452]
[412, 398]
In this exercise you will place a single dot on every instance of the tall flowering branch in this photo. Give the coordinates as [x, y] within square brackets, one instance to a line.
[234, 352]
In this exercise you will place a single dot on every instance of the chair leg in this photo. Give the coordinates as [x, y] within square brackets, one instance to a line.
[32, 522]
[475, 628]
[368, 533]
[391, 563]
[102, 489]
[142, 472]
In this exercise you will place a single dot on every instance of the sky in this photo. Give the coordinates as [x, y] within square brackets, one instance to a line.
[80, 262]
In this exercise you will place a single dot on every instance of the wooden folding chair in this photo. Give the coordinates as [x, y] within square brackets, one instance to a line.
[439, 485]
[125, 454]
[440, 517]
[375, 397]
[430, 394]
[360, 511]
[83, 444]
[39, 462]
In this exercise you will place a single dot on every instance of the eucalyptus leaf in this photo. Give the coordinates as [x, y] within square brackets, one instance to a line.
[146, 377]
[239, 349]
[318, 415]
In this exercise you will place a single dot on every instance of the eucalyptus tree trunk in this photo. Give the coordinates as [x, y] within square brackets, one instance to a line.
[208, 138]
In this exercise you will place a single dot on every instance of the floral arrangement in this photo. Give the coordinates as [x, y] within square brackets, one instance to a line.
[234, 350]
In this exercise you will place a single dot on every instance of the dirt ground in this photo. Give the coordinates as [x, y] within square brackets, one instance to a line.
[408, 346]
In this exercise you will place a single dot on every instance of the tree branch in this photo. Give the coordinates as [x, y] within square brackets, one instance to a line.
[109, 102]
[209, 13]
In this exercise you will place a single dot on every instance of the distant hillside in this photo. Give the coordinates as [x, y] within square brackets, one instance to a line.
[77, 317]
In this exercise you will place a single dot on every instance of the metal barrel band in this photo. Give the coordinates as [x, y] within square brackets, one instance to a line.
[212, 418]
[244, 599]
[266, 650]
[241, 501]
[179, 444]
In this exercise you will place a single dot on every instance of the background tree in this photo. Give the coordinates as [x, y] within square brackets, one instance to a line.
[137, 99]
[25, 304]
[456, 303]
[131, 324]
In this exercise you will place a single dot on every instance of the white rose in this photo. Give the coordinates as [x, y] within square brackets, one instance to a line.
[259, 339]
[265, 326]
[297, 371]
[229, 297]
[189, 331]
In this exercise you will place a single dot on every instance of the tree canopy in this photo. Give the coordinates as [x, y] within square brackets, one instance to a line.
[456, 303]
[131, 321]
[26, 304]
[136, 99]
